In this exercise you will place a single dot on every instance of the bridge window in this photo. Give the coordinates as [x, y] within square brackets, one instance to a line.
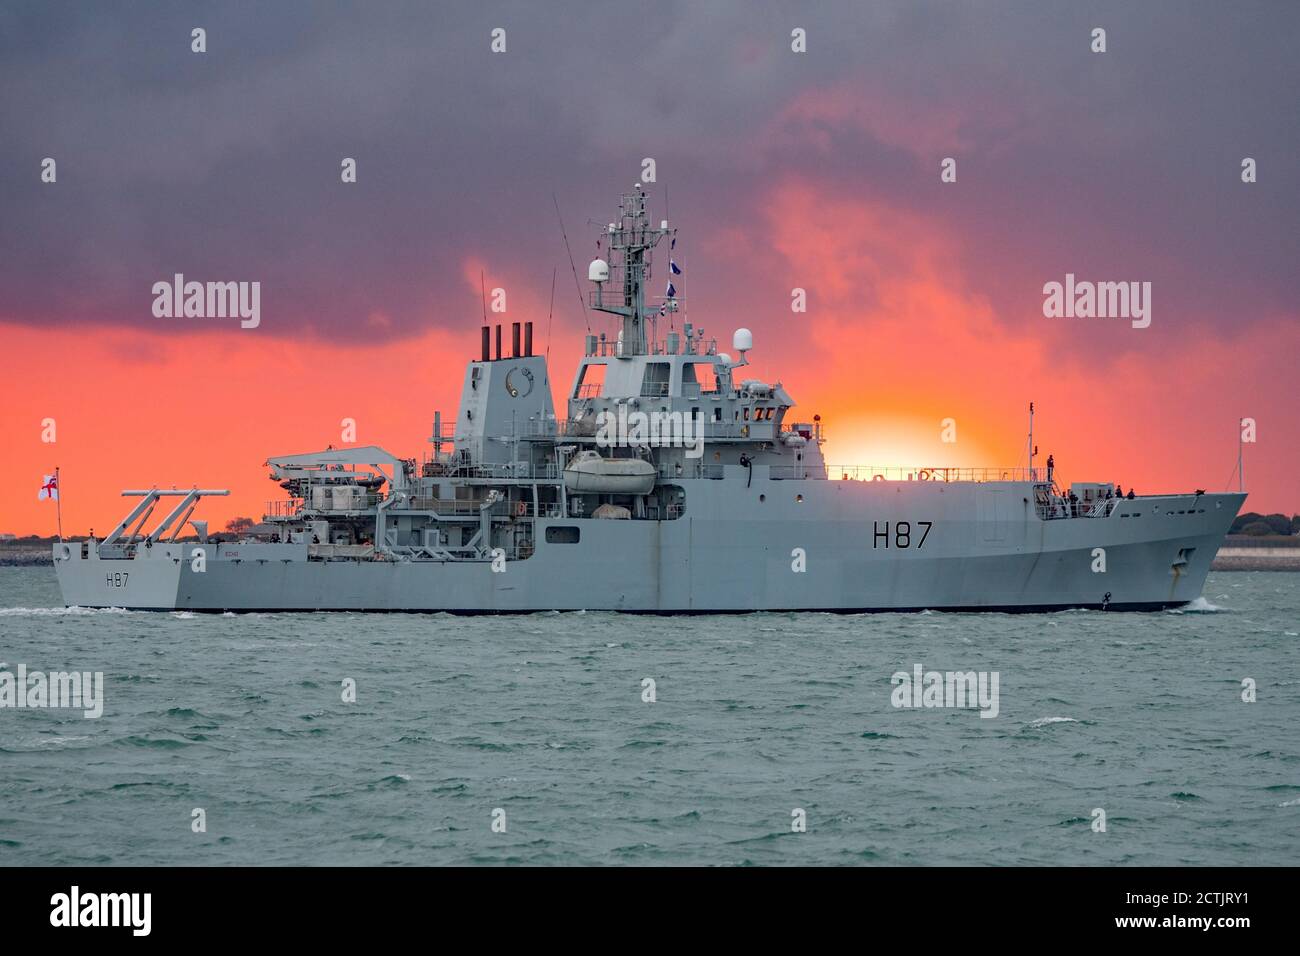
[702, 374]
[562, 534]
[591, 380]
[656, 379]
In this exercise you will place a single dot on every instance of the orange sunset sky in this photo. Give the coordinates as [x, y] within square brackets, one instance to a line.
[924, 298]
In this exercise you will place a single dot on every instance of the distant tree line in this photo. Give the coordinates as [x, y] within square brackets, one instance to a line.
[1258, 524]
[234, 528]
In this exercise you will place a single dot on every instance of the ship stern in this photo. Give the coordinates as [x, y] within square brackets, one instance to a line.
[148, 581]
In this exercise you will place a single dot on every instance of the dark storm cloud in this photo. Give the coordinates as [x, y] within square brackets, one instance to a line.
[226, 165]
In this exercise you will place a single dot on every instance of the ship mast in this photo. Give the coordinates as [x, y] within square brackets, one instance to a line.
[630, 240]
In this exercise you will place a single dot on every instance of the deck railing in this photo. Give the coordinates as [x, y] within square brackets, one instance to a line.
[505, 471]
[294, 507]
[916, 473]
[1054, 507]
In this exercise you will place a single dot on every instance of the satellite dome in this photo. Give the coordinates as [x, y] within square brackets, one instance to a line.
[598, 271]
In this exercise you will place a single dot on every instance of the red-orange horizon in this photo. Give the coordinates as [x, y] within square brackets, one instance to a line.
[174, 420]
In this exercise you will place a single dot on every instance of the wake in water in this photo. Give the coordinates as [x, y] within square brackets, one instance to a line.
[59, 611]
[1199, 606]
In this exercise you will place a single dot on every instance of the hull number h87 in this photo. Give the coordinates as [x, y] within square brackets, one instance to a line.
[905, 534]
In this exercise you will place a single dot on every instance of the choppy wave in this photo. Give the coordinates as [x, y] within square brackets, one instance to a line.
[1045, 721]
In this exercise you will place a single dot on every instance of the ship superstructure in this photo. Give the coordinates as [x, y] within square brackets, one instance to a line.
[672, 484]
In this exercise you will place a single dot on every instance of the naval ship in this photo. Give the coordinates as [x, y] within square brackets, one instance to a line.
[672, 484]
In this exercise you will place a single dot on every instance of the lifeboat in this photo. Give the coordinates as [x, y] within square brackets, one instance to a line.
[589, 473]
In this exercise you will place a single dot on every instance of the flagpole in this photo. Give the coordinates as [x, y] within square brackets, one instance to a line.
[58, 501]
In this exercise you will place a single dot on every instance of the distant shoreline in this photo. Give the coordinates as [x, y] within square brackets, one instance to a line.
[1256, 559]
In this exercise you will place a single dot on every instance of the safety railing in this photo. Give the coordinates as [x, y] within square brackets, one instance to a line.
[447, 506]
[542, 428]
[294, 507]
[283, 508]
[1055, 507]
[797, 472]
[696, 345]
[501, 471]
[754, 431]
[905, 473]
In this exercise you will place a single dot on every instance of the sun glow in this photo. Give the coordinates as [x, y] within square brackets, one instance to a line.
[895, 443]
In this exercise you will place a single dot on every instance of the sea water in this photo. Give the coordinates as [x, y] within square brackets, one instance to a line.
[597, 738]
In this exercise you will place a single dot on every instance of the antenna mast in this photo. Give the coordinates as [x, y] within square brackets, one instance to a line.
[630, 240]
[1031, 441]
[550, 314]
[576, 284]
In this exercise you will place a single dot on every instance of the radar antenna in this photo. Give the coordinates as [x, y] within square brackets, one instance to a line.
[631, 238]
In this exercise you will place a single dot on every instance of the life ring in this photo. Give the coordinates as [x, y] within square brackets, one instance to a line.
[924, 475]
[877, 477]
[521, 508]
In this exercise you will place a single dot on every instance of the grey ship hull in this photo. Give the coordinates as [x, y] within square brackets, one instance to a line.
[734, 550]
